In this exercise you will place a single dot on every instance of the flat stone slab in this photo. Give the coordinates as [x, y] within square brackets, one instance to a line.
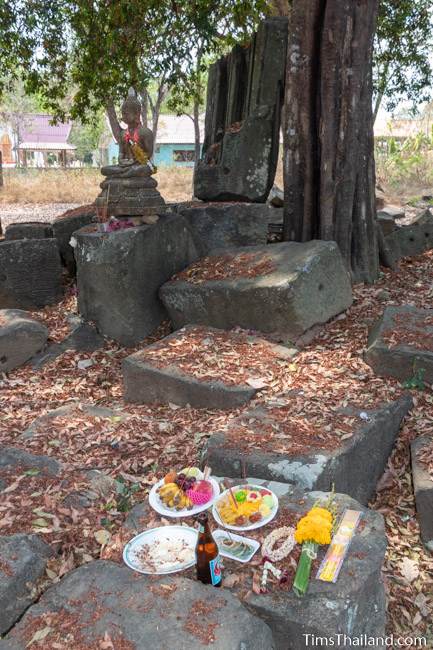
[348, 447]
[281, 289]
[23, 559]
[411, 239]
[21, 337]
[226, 224]
[104, 600]
[29, 230]
[203, 367]
[30, 273]
[15, 457]
[400, 344]
[393, 211]
[422, 474]
[83, 337]
[354, 606]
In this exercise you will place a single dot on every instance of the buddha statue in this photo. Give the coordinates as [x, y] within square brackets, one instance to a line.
[135, 144]
[129, 189]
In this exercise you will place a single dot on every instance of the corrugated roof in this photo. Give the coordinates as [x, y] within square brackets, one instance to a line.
[177, 129]
[36, 130]
[47, 146]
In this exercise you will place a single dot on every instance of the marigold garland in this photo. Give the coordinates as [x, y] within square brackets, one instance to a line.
[314, 529]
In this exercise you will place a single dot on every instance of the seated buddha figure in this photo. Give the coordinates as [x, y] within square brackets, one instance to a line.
[135, 144]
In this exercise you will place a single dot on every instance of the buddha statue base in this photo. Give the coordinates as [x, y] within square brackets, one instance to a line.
[129, 191]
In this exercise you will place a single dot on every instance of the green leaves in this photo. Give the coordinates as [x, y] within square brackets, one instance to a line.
[77, 55]
[402, 69]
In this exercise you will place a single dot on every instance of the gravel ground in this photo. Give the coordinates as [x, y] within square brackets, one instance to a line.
[21, 212]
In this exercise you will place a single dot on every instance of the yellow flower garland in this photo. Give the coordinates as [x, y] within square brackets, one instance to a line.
[316, 527]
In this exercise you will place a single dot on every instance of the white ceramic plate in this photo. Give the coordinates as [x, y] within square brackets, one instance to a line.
[165, 535]
[220, 535]
[161, 509]
[258, 524]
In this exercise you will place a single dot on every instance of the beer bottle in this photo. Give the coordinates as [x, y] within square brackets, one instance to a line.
[207, 556]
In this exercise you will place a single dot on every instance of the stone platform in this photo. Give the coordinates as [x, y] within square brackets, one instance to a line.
[119, 274]
[129, 192]
[348, 447]
[203, 367]
[282, 289]
[400, 345]
[141, 612]
[103, 598]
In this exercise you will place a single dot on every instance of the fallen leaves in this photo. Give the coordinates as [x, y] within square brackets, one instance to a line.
[142, 442]
[409, 569]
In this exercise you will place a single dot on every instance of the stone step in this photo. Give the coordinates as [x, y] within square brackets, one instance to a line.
[400, 344]
[203, 367]
[423, 487]
[347, 448]
[281, 289]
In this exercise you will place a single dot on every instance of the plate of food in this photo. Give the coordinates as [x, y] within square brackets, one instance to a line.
[234, 546]
[166, 549]
[184, 493]
[245, 507]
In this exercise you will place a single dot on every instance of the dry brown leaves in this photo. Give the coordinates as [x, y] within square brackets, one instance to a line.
[213, 355]
[425, 457]
[410, 330]
[147, 441]
[219, 267]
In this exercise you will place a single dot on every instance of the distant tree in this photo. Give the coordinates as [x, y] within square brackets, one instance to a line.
[86, 137]
[104, 48]
[15, 104]
[402, 49]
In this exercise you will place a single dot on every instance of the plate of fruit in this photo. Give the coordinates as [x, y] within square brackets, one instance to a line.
[245, 507]
[184, 493]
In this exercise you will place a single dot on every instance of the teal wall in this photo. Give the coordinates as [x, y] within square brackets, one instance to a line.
[165, 154]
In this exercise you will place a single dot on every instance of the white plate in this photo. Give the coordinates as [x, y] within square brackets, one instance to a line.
[223, 534]
[162, 534]
[258, 524]
[157, 504]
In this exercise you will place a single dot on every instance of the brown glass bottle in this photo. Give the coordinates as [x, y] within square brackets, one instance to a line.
[207, 556]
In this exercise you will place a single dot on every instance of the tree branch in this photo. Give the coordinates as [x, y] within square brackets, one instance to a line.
[114, 122]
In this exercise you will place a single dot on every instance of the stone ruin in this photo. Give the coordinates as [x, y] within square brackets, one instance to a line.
[243, 111]
[205, 266]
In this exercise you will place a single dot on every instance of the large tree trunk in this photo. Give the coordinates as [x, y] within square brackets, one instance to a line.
[329, 155]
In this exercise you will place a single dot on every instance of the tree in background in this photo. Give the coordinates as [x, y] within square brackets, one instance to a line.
[87, 137]
[102, 49]
[403, 45]
[329, 176]
[15, 104]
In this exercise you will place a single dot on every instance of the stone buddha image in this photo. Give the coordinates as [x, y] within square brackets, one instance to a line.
[135, 144]
[129, 189]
